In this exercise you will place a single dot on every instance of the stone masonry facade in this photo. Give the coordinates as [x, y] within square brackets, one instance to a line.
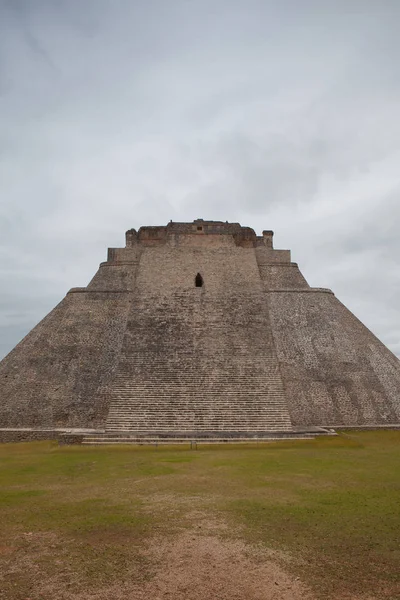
[198, 327]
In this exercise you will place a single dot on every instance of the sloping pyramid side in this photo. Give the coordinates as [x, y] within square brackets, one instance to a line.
[51, 378]
[335, 371]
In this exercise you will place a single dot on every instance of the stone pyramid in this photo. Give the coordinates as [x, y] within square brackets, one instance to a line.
[197, 328]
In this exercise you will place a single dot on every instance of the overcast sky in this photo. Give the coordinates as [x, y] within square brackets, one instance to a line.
[281, 115]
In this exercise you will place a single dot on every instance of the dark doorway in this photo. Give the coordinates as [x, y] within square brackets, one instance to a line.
[199, 280]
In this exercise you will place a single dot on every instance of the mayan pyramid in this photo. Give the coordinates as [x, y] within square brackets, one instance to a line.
[198, 328]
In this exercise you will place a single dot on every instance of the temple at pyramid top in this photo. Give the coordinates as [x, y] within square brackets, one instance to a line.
[242, 236]
[186, 245]
[197, 329]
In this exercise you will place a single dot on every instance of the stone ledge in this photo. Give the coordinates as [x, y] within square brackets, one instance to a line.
[278, 264]
[280, 290]
[79, 290]
[301, 291]
[30, 434]
[387, 426]
[118, 263]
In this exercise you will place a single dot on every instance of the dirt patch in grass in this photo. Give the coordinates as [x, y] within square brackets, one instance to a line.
[193, 565]
[48, 566]
[205, 566]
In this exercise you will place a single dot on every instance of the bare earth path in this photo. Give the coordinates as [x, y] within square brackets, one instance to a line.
[198, 567]
[187, 566]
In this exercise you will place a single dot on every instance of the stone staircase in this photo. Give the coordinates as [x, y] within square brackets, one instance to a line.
[174, 401]
[193, 370]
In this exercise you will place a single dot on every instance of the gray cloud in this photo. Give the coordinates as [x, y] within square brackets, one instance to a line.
[280, 115]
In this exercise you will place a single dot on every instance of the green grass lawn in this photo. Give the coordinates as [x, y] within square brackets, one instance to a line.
[331, 505]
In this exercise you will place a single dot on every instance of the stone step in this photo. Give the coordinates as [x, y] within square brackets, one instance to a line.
[227, 388]
[158, 427]
[231, 416]
[210, 417]
[173, 426]
[201, 418]
[216, 402]
[227, 411]
[190, 434]
[197, 411]
[178, 441]
[258, 423]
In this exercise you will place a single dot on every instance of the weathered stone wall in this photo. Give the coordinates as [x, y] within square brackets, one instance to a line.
[41, 435]
[124, 255]
[51, 378]
[280, 276]
[223, 266]
[267, 255]
[336, 372]
[114, 277]
[27, 435]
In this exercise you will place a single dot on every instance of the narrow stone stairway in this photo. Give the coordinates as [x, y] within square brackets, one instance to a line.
[195, 364]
